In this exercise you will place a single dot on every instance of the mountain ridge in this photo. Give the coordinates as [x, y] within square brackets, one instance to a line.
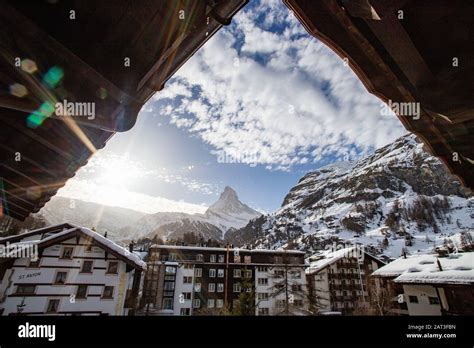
[398, 197]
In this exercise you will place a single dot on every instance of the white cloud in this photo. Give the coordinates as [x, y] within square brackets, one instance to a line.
[281, 97]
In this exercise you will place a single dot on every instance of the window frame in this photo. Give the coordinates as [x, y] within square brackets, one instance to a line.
[82, 267]
[55, 281]
[85, 294]
[109, 263]
[111, 297]
[63, 251]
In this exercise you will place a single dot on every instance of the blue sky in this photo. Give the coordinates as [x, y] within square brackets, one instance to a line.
[261, 92]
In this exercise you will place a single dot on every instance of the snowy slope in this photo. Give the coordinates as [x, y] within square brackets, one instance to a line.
[400, 196]
[227, 213]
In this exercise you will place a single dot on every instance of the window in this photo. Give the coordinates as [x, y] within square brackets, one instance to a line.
[112, 267]
[262, 281]
[433, 300]
[280, 304]
[237, 258]
[197, 287]
[298, 303]
[60, 278]
[212, 258]
[237, 287]
[108, 292]
[33, 263]
[413, 299]
[220, 287]
[221, 258]
[248, 273]
[198, 272]
[199, 257]
[169, 286]
[279, 273]
[86, 266]
[185, 311]
[237, 273]
[278, 259]
[187, 280]
[263, 311]
[210, 303]
[296, 287]
[67, 253]
[26, 289]
[188, 266]
[167, 303]
[211, 287]
[212, 272]
[196, 303]
[262, 269]
[81, 291]
[262, 296]
[53, 306]
[219, 303]
[170, 270]
[172, 257]
[220, 273]
[186, 295]
[247, 259]
[297, 274]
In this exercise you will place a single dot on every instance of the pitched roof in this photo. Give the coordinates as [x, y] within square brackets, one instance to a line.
[55, 234]
[455, 269]
[328, 257]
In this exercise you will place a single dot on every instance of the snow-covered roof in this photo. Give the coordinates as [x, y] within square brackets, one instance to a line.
[456, 269]
[101, 240]
[328, 257]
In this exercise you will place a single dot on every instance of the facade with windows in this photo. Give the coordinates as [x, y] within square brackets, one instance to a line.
[210, 280]
[339, 281]
[72, 271]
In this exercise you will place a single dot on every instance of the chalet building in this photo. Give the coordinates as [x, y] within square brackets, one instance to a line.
[338, 281]
[67, 270]
[192, 280]
[432, 285]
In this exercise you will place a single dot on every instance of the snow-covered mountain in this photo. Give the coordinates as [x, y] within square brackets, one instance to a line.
[91, 215]
[227, 213]
[400, 196]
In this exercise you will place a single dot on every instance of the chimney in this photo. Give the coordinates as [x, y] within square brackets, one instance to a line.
[404, 254]
[439, 264]
[130, 247]
[105, 234]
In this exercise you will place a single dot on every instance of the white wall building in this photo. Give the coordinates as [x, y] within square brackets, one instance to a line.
[338, 280]
[67, 270]
[434, 285]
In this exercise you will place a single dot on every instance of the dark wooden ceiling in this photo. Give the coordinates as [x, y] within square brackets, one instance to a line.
[91, 47]
[403, 51]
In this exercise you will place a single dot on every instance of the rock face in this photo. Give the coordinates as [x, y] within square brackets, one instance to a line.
[400, 196]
